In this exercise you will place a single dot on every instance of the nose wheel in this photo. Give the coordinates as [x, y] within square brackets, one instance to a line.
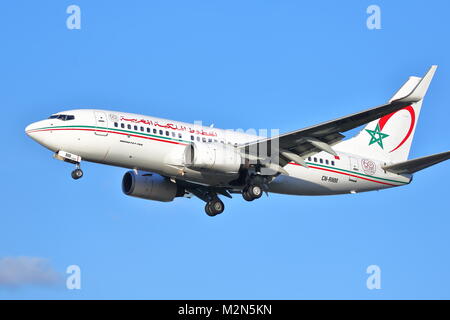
[77, 173]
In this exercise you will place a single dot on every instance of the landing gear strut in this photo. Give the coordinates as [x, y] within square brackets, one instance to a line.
[252, 192]
[77, 173]
[214, 207]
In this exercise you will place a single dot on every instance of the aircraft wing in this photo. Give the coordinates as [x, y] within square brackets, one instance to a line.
[295, 145]
[414, 165]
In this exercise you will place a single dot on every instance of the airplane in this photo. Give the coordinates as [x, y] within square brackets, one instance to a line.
[170, 159]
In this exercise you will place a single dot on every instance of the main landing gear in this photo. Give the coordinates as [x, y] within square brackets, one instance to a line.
[214, 207]
[252, 192]
[77, 173]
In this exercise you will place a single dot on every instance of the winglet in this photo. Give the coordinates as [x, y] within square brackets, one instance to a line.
[419, 91]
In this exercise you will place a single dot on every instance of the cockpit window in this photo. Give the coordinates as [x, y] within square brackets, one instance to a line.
[63, 117]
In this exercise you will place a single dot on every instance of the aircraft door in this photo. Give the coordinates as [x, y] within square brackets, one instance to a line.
[101, 123]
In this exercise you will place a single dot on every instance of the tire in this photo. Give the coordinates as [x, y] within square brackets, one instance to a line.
[77, 174]
[209, 211]
[246, 196]
[217, 206]
[254, 191]
[214, 207]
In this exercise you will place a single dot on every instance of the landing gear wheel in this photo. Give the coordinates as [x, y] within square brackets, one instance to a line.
[209, 211]
[77, 174]
[214, 207]
[255, 191]
[246, 196]
[252, 192]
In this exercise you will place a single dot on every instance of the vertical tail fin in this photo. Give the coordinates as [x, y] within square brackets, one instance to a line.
[389, 138]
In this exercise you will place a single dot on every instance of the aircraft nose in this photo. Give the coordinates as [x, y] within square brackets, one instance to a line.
[31, 128]
[28, 128]
[35, 131]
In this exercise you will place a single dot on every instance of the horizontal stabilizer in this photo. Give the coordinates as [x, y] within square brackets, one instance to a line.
[414, 165]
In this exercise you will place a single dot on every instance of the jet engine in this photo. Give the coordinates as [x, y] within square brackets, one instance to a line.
[150, 186]
[217, 157]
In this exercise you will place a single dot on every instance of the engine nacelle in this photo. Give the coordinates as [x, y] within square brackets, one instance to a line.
[150, 186]
[218, 157]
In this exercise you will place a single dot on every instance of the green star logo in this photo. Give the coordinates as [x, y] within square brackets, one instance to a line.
[377, 136]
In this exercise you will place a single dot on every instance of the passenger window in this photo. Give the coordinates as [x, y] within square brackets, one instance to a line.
[148, 130]
[173, 134]
[198, 138]
[192, 138]
[332, 163]
[116, 124]
[309, 158]
[122, 125]
[215, 140]
[135, 128]
[167, 133]
[315, 159]
[204, 139]
[326, 161]
[209, 140]
[321, 161]
[129, 126]
[154, 131]
[161, 132]
[180, 136]
[142, 129]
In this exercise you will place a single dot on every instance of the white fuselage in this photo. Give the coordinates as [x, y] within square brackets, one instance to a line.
[157, 145]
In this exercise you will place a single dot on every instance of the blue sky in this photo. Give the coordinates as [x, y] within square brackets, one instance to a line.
[237, 64]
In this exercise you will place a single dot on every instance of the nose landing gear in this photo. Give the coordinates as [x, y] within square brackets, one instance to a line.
[71, 158]
[77, 173]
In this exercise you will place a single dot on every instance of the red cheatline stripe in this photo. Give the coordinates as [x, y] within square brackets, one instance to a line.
[125, 134]
[348, 174]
